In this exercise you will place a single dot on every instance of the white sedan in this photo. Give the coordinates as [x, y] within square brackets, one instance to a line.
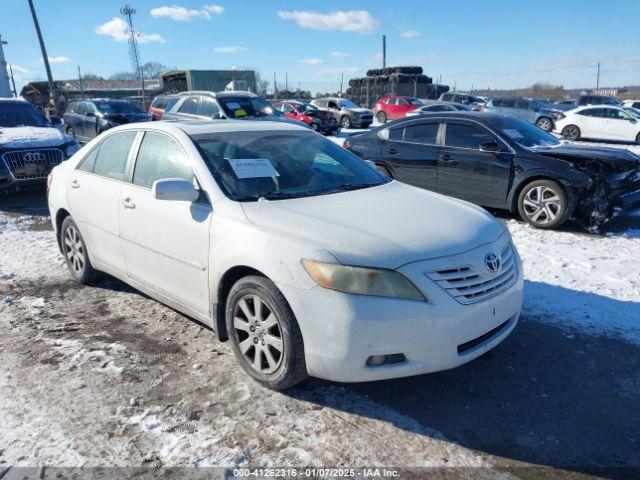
[308, 260]
[603, 122]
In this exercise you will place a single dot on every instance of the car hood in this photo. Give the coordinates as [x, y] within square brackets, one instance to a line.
[360, 110]
[31, 137]
[617, 158]
[386, 226]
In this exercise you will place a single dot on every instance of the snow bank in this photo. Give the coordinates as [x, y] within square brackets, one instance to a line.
[582, 281]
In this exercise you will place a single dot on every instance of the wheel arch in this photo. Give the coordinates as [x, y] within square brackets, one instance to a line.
[227, 280]
[61, 214]
[515, 191]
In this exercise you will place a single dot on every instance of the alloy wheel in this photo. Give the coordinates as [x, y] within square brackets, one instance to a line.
[259, 334]
[542, 205]
[571, 133]
[74, 249]
[545, 124]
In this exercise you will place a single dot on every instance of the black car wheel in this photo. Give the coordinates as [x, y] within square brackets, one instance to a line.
[345, 122]
[71, 132]
[75, 252]
[571, 132]
[264, 333]
[638, 138]
[381, 116]
[543, 204]
[545, 123]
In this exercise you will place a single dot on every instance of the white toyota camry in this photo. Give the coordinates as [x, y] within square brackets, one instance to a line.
[303, 256]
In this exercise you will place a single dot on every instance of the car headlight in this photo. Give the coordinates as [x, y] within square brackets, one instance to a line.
[362, 280]
[72, 148]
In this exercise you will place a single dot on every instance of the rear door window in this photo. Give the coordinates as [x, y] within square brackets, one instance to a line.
[426, 133]
[189, 106]
[111, 161]
[160, 157]
[208, 107]
[466, 136]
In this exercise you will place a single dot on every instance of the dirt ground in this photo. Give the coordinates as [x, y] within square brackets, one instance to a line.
[104, 376]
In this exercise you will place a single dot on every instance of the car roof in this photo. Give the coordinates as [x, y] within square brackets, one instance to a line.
[461, 115]
[198, 127]
[232, 93]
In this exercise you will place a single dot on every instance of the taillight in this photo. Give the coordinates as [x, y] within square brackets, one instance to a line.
[346, 144]
[49, 180]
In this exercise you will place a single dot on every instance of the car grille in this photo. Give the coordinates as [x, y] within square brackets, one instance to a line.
[468, 284]
[32, 164]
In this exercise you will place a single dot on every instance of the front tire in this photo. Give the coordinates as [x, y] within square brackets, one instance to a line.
[545, 123]
[381, 116]
[345, 122]
[571, 132]
[543, 204]
[264, 333]
[383, 170]
[75, 252]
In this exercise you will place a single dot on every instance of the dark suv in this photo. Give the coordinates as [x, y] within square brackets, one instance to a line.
[30, 145]
[87, 119]
[223, 105]
[347, 113]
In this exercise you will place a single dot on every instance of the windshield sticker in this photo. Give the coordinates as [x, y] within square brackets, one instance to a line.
[515, 134]
[252, 168]
[240, 112]
[233, 105]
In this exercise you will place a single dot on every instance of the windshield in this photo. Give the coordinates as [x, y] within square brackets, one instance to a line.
[111, 108]
[243, 107]
[277, 165]
[634, 112]
[21, 114]
[524, 133]
[348, 104]
[309, 108]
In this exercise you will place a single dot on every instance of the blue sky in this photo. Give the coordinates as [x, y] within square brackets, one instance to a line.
[496, 43]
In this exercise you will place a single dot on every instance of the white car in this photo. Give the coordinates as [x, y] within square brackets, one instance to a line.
[308, 260]
[604, 122]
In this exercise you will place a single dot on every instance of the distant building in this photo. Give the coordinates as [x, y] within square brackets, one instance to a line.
[175, 81]
[38, 92]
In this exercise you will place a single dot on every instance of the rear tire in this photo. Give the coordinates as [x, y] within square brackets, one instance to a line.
[383, 170]
[543, 204]
[381, 116]
[75, 252]
[345, 122]
[264, 333]
[571, 132]
[545, 123]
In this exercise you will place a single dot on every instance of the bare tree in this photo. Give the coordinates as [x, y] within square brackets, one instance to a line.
[262, 85]
[153, 69]
[121, 76]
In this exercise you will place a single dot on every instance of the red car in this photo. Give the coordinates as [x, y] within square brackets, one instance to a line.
[160, 104]
[390, 108]
[320, 120]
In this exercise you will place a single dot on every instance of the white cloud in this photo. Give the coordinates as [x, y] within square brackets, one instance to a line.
[230, 49]
[360, 21]
[182, 14]
[338, 54]
[117, 29]
[311, 61]
[18, 69]
[59, 59]
[410, 34]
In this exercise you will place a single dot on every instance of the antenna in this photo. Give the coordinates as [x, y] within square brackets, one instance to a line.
[134, 55]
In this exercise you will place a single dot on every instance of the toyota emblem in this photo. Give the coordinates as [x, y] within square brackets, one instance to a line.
[33, 157]
[492, 262]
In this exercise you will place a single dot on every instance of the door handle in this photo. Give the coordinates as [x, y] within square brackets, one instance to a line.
[446, 157]
[75, 184]
[392, 151]
[127, 203]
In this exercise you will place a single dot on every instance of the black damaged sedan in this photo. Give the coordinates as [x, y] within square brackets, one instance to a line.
[502, 162]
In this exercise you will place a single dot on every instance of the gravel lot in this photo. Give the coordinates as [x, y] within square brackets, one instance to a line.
[103, 376]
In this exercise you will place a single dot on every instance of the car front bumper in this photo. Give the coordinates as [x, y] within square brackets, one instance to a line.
[342, 331]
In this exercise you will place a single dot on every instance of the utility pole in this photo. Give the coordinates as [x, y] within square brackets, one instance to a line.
[128, 12]
[275, 87]
[13, 82]
[598, 79]
[384, 51]
[4, 77]
[53, 94]
[341, 82]
[81, 86]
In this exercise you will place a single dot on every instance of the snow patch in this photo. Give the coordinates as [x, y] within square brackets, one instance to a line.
[31, 137]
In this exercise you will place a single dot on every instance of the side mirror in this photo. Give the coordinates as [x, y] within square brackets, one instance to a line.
[55, 120]
[491, 147]
[217, 116]
[633, 120]
[175, 189]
